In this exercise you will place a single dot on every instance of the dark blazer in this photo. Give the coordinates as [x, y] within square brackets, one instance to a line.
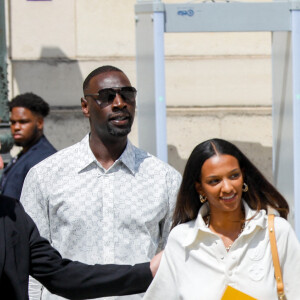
[13, 176]
[24, 252]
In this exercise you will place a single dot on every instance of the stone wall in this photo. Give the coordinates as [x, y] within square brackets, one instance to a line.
[217, 84]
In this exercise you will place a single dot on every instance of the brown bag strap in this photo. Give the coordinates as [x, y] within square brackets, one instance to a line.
[278, 275]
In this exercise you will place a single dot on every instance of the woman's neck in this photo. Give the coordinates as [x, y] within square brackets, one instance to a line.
[228, 226]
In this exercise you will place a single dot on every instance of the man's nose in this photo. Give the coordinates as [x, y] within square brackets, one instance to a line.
[119, 101]
[16, 126]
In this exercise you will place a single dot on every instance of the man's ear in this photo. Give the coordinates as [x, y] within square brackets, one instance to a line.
[40, 123]
[85, 107]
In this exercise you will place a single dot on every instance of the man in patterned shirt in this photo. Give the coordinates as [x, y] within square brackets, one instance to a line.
[103, 200]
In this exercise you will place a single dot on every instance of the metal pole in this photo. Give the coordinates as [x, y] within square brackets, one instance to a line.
[160, 98]
[4, 114]
[296, 114]
[151, 106]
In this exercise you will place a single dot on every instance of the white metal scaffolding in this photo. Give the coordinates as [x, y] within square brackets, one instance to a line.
[281, 18]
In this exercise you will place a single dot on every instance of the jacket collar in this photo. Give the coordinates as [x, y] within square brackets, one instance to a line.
[21, 156]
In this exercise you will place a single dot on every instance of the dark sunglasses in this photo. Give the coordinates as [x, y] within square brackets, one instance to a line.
[107, 96]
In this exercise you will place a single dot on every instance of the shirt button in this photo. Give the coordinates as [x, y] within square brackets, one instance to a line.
[230, 273]
[233, 257]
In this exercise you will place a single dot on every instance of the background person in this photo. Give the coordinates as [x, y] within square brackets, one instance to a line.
[23, 251]
[220, 235]
[103, 200]
[27, 113]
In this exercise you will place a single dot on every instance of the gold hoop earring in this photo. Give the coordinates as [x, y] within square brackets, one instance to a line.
[202, 199]
[245, 187]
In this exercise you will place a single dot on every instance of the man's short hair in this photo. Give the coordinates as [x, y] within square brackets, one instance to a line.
[32, 102]
[100, 70]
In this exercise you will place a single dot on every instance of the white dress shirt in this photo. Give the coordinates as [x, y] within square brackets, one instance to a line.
[195, 264]
[121, 215]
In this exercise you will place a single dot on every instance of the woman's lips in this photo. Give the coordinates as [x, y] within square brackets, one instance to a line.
[228, 198]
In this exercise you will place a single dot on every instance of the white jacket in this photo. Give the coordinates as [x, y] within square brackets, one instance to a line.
[195, 264]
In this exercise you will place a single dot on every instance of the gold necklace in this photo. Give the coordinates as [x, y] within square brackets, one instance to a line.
[242, 229]
[207, 223]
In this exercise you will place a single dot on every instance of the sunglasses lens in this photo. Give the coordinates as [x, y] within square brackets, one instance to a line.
[107, 95]
[128, 93]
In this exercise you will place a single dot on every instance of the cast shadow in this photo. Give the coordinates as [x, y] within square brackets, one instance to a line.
[259, 155]
[54, 77]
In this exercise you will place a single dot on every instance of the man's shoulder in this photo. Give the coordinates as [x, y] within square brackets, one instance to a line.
[40, 151]
[149, 160]
[45, 145]
[37, 153]
[61, 157]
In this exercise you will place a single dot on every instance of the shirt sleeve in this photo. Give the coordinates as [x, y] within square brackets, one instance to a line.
[37, 207]
[289, 255]
[35, 204]
[173, 183]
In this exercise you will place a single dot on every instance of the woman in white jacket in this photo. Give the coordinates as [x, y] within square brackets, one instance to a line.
[220, 232]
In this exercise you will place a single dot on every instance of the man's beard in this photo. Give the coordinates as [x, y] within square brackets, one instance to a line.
[116, 131]
[19, 144]
[34, 136]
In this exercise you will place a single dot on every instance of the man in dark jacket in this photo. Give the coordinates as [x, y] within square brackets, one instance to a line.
[27, 113]
[24, 252]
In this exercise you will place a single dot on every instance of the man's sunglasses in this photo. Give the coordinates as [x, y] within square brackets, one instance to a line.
[107, 96]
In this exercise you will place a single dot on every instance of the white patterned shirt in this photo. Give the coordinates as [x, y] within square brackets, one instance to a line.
[196, 266]
[121, 215]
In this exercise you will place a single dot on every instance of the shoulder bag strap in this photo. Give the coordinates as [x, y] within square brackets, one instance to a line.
[278, 275]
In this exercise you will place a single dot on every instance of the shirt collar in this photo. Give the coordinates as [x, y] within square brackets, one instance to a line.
[128, 157]
[86, 157]
[199, 224]
[255, 219]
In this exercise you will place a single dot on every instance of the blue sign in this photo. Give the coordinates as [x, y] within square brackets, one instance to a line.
[187, 12]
